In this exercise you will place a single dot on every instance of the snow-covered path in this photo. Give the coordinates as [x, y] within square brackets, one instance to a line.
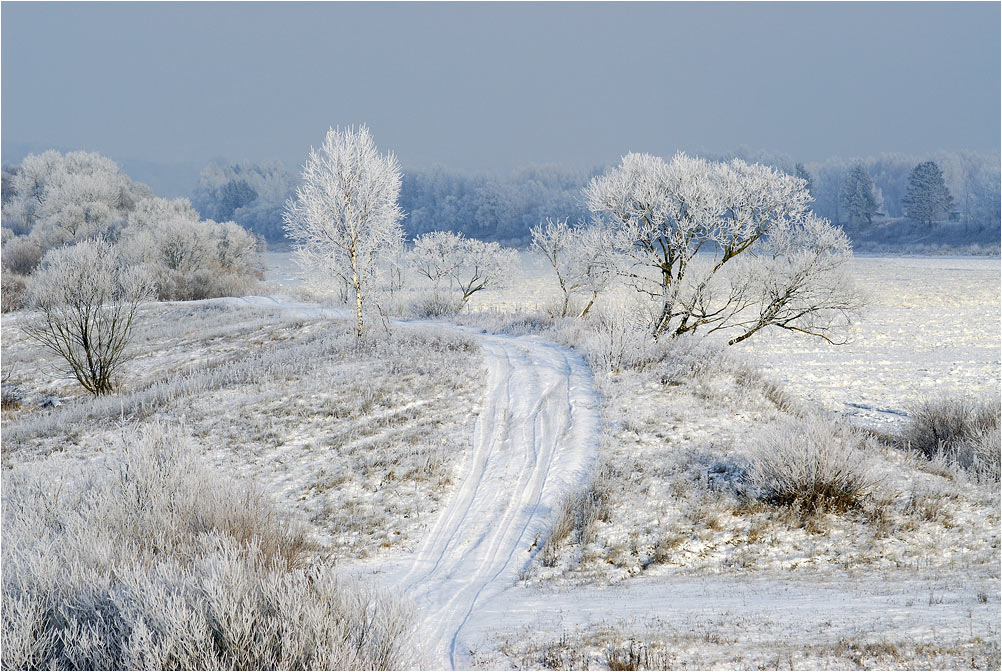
[534, 442]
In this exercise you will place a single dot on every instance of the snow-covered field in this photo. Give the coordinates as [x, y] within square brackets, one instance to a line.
[436, 462]
[932, 328]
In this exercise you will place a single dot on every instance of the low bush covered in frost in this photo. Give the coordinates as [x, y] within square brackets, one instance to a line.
[960, 431]
[813, 464]
[151, 561]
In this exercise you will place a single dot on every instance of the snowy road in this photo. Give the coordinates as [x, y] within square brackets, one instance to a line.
[535, 441]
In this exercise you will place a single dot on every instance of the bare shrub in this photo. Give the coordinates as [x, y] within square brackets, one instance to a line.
[150, 561]
[434, 306]
[814, 465]
[960, 431]
[88, 301]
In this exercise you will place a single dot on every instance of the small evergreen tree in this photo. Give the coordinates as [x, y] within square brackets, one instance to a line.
[858, 195]
[927, 199]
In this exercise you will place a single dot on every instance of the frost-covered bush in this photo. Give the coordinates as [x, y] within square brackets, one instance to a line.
[434, 306]
[812, 464]
[11, 291]
[187, 258]
[617, 341]
[149, 560]
[462, 266]
[57, 200]
[87, 300]
[962, 431]
[578, 513]
[21, 254]
[691, 357]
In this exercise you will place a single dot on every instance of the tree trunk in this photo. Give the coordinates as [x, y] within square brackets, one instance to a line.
[584, 312]
[662, 322]
[358, 292]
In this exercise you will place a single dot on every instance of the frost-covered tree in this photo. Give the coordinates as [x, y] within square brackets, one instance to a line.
[858, 197]
[681, 226]
[60, 199]
[552, 238]
[805, 175]
[87, 300]
[579, 256]
[436, 255]
[55, 200]
[345, 213]
[927, 199]
[469, 264]
[484, 265]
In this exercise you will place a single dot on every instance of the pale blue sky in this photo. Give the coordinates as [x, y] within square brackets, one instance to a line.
[478, 86]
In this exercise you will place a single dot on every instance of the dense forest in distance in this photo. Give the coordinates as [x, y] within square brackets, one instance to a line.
[868, 197]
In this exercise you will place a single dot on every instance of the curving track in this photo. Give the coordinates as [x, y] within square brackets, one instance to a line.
[535, 441]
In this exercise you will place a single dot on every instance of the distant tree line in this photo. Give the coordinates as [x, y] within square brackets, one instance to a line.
[853, 193]
[958, 186]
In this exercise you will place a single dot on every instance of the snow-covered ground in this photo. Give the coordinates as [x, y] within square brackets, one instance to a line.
[932, 328]
[534, 444]
[434, 460]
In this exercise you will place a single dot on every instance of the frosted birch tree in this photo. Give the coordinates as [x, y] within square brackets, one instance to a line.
[680, 226]
[345, 214]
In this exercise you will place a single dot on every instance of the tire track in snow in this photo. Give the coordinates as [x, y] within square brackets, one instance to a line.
[534, 442]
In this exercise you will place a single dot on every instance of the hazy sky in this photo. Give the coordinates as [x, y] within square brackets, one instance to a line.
[493, 86]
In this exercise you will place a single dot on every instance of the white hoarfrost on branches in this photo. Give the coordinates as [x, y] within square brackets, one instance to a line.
[580, 257]
[345, 214]
[680, 225]
[88, 301]
[53, 200]
[470, 265]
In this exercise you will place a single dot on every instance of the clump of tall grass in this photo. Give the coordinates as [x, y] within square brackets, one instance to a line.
[577, 518]
[813, 464]
[960, 431]
[148, 560]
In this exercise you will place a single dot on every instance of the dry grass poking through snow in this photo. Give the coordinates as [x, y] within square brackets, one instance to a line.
[147, 559]
[360, 439]
[959, 432]
[753, 644]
